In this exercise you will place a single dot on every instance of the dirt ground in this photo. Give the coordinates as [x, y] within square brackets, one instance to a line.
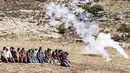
[80, 63]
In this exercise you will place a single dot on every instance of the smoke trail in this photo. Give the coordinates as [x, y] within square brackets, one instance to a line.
[86, 28]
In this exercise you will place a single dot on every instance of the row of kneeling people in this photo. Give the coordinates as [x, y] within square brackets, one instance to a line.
[35, 56]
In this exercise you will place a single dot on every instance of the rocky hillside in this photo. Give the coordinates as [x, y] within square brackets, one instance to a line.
[115, 18]
[26, 19]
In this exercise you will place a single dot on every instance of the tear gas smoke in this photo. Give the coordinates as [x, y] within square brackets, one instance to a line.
[86, 28]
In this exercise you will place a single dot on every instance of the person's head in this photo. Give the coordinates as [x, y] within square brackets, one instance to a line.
[12, 48]
[56, 50]
[33, 50]
[40, 49]
[28, 50]
[7, 49]
[67, 53]
[18, 49]
[60, 51]
[36, 49]
[53, 52]
[23, 49]
[48, 49]
[4, 48]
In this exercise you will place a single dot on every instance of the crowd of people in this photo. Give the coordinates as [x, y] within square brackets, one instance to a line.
[35, 56]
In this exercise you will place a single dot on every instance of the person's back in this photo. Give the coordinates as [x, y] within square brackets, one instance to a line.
[22, 54]
[17, 53]
[6, 55]
[14, 54]
[40, 55]
[34, 56]
[54, 57]
[35, 52]
[29, 56]
[2, 53]
[64, 61]
[59, 55]
[47, 55]
[9, 55]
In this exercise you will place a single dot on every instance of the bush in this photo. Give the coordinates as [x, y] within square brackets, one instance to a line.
[94, 9]
[124, 28]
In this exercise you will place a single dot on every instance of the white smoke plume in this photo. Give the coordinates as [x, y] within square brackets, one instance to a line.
[86, 28]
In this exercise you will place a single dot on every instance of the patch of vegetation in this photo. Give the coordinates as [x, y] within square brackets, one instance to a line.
[94, 9]
[124, 28]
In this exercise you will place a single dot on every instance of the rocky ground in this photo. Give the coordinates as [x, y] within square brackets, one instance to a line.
[21, 19]
[80, 63]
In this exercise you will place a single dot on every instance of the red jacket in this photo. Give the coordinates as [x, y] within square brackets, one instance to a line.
[53, 56]
[22, 54]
